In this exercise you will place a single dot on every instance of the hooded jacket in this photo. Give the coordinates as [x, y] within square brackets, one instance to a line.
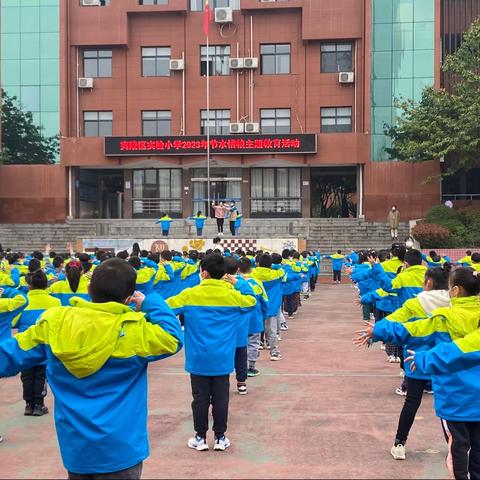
[212, 312]
[455, 370]
[37, 302]
[338, 261]
[97, 356]
[445, 325]
[260, 314]
[64, 293]
[12, 303]
[272, 282]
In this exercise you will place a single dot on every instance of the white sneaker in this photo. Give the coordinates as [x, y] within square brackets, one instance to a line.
[383, 347]
[402, 393]
[398, 452]
[221, 444]
[398, 360]
[392, 359]
[198, 443]
[275, 357]
[279, 337]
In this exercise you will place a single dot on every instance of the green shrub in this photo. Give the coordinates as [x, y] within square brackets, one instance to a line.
[431, 235]
[446, 217]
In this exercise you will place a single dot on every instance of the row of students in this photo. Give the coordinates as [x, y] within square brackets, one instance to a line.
[235, 220]
[110, 340]
[439, 318]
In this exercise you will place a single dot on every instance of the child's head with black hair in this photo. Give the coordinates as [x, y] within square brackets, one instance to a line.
[231, 265]
[58, 262]
[276, 259]
[144, 253]
[265, 260]
[216, 240]
[436, 278]
[240, 252]
[286, 254]
[383, 255]
[250, 253]
[244, 266]
[468, 253]
[193, 255]
[339, 252]
[135, 262]
[166, 255]
[209, 251]
[34, 265]
[113, 281]
[305, 254]
[73, 272]
[213, 266]
[13, 258]
[123, 254]
[296, 255]
[413, 257]
[101, 255]
[217, 251]
[86, 261]
[400, 252]
[38, 255]
[37, 280]
[199, 213]
[136, 249]
[464, 282]
[154, 257]
[475, 257]
[52, 255]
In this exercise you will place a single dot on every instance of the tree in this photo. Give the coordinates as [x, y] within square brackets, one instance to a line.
[445, 124]
[23, 142]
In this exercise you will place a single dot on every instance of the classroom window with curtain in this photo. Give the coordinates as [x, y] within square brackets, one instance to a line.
[275, 192]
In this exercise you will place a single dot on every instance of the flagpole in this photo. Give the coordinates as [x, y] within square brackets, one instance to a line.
[208, 123]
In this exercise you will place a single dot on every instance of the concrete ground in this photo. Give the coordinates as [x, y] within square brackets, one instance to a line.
[327, 410]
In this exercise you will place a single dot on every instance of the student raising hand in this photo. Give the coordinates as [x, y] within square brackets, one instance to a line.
[364, 336]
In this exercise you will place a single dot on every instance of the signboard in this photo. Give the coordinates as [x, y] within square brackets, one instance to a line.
[219, 145]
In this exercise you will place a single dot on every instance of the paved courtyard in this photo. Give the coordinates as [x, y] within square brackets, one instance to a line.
[327, 410]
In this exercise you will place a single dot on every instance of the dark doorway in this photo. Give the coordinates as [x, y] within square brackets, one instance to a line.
[334, 192]
[100, 194]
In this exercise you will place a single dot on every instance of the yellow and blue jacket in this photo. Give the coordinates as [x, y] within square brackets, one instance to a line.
[338, 261]
[38, 302]
[272, 281]
[190, 275]
[431, 263]
[445, 325]
[165, 222]
[384, 301]
[362, 275]
[199, 220]
[260, 314]
[12, 304]
[454, 367]
[417, 308]
[465, 261]
[64, 293]
[407, 284]
[213, 312]
[10, 278]
[391, 266]
[293, 276]
[97, 357]
[145, 278]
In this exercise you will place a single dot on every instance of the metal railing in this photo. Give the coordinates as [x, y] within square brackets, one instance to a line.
[276, 205]
[156, 205]
[461, 196]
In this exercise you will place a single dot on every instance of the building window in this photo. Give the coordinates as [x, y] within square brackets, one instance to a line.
[97, 63]
[336, 119]
[199, 5]
[156, 123]
[218, 122]
[275, 192]
[156, 61]
[275, 59]
[336, 57]
[275, 120]
[156, 191]
[218, 56]
[97, 124]
[153, 2]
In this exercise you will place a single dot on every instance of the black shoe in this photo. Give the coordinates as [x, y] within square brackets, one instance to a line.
[40, 410]
[253, 372]
[28, 410]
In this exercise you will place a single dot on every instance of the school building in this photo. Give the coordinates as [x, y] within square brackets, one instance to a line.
[300, 92]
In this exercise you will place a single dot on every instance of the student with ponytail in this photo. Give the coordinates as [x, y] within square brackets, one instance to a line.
[76, 284]
[454, 367]
[33, 379]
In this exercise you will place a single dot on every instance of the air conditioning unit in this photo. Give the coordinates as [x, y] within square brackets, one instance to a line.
[251, 62]
[237, 128]
[85, 82]
[346, 77]
[252, 127]
[223, 15]
[91, 3]
[177, 64]
[236, 63]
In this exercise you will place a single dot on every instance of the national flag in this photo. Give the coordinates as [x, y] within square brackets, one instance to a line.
[207, 18]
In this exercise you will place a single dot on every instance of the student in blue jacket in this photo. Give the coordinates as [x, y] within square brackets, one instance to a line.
[212, 313]
[455, 371]
[199, 220]
[165, 222]
[338, 261]
[91, 346]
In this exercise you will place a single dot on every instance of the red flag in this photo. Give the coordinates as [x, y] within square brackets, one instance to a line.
[207, 18]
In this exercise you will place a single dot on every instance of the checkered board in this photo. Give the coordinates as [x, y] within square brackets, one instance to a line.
[236, 243]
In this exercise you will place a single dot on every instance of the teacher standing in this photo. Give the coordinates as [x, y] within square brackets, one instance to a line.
[393, 221]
